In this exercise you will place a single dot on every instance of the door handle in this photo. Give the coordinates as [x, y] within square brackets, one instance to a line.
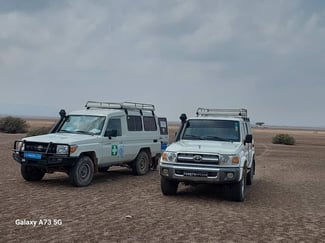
[155, 140]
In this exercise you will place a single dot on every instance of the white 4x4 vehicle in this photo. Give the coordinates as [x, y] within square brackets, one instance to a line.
[216, 146]
[102, 135]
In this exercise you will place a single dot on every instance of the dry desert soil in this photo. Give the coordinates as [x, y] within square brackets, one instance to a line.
[286, 202]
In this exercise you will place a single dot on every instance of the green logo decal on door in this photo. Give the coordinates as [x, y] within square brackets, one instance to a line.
[114, 150]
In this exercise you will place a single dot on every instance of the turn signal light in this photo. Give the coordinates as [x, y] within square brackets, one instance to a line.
[73, 149]
[235, 160]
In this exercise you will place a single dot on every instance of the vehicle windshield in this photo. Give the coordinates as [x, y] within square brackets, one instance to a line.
[83, 124]
[216, 130]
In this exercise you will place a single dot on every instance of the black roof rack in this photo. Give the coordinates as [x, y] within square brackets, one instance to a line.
[242, 113]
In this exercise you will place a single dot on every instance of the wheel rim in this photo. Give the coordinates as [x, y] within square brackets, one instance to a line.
[243, 185]
[142, 164]
[84, 171]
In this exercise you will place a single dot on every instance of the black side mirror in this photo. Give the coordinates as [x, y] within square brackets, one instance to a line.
[111, 133]
[248, 139]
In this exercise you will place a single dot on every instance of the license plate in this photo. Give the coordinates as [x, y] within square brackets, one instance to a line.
[195, 173]
[29, 155]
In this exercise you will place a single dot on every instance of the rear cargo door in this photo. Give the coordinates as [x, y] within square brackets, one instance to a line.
[163, 129]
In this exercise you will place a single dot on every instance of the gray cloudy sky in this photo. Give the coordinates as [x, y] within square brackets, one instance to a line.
[266, 56]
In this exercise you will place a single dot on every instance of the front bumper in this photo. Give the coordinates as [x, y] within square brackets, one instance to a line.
[200, 174]
[46, 161]
[46, 158]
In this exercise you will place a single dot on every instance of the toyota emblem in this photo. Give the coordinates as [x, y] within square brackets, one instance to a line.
[197, 158]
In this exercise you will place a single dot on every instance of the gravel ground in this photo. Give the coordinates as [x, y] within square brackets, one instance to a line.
[286, 202]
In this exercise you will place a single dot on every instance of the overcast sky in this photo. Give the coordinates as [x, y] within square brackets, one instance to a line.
[266, 56]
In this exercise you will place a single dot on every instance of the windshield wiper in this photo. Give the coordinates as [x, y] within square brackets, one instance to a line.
[216, 138]
[67, 131]
[81, 132]
[192, 137]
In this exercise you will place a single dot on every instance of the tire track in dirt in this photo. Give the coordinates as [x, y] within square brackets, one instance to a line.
[265, 150]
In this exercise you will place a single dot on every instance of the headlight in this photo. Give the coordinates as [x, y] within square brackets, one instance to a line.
[62, 149]
[169, 156]
[20, 146]
[229, 159]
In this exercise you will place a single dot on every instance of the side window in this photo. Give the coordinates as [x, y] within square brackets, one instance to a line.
[114, 124]
[244, 129]
[149, 123]
[248, 128]
[134, 123]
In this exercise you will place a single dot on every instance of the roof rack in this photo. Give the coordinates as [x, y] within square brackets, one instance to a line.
[222, 112]
[123, 105]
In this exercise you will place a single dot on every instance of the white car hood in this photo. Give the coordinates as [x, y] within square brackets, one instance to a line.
[204, 146]
[65, 138]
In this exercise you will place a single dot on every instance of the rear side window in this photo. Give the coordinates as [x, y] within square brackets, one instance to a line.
[134, 123]
[149, 123]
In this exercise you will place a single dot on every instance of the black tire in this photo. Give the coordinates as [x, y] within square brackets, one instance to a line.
[31, 173]
[103, 169]
[168, 187]
[82, 173]
[141, 164]
[238, 190]
[154, 163]
[251, 174]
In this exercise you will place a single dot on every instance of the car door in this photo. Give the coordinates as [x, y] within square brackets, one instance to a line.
[113, 147]
[248, 146]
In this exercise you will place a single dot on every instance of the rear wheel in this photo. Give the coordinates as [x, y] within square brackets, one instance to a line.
[141, 164]
[82, 173]
[168, 187]
[31, 173]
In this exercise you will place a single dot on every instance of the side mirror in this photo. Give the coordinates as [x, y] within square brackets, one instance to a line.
[111, 133]
[248, 139]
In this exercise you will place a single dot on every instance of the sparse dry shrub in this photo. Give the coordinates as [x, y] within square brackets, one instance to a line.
[11, 124]
[283, 139]
[38, 131]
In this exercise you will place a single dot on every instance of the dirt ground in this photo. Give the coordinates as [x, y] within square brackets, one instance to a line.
[286, 202]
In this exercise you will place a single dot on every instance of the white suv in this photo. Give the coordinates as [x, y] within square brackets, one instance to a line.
[216, 146]
[102, 135]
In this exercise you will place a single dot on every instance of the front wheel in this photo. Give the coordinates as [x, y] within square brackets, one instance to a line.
[168, 187]
[141, 164]
[82, 173]
[251, 174]
[31, 173]
[238, 190]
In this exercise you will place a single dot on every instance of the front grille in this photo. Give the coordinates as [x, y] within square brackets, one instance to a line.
[198, 158]
[40, 147]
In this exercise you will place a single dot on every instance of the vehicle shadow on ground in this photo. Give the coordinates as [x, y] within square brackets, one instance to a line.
[203, 191]
[222, 192]
[62, 179]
